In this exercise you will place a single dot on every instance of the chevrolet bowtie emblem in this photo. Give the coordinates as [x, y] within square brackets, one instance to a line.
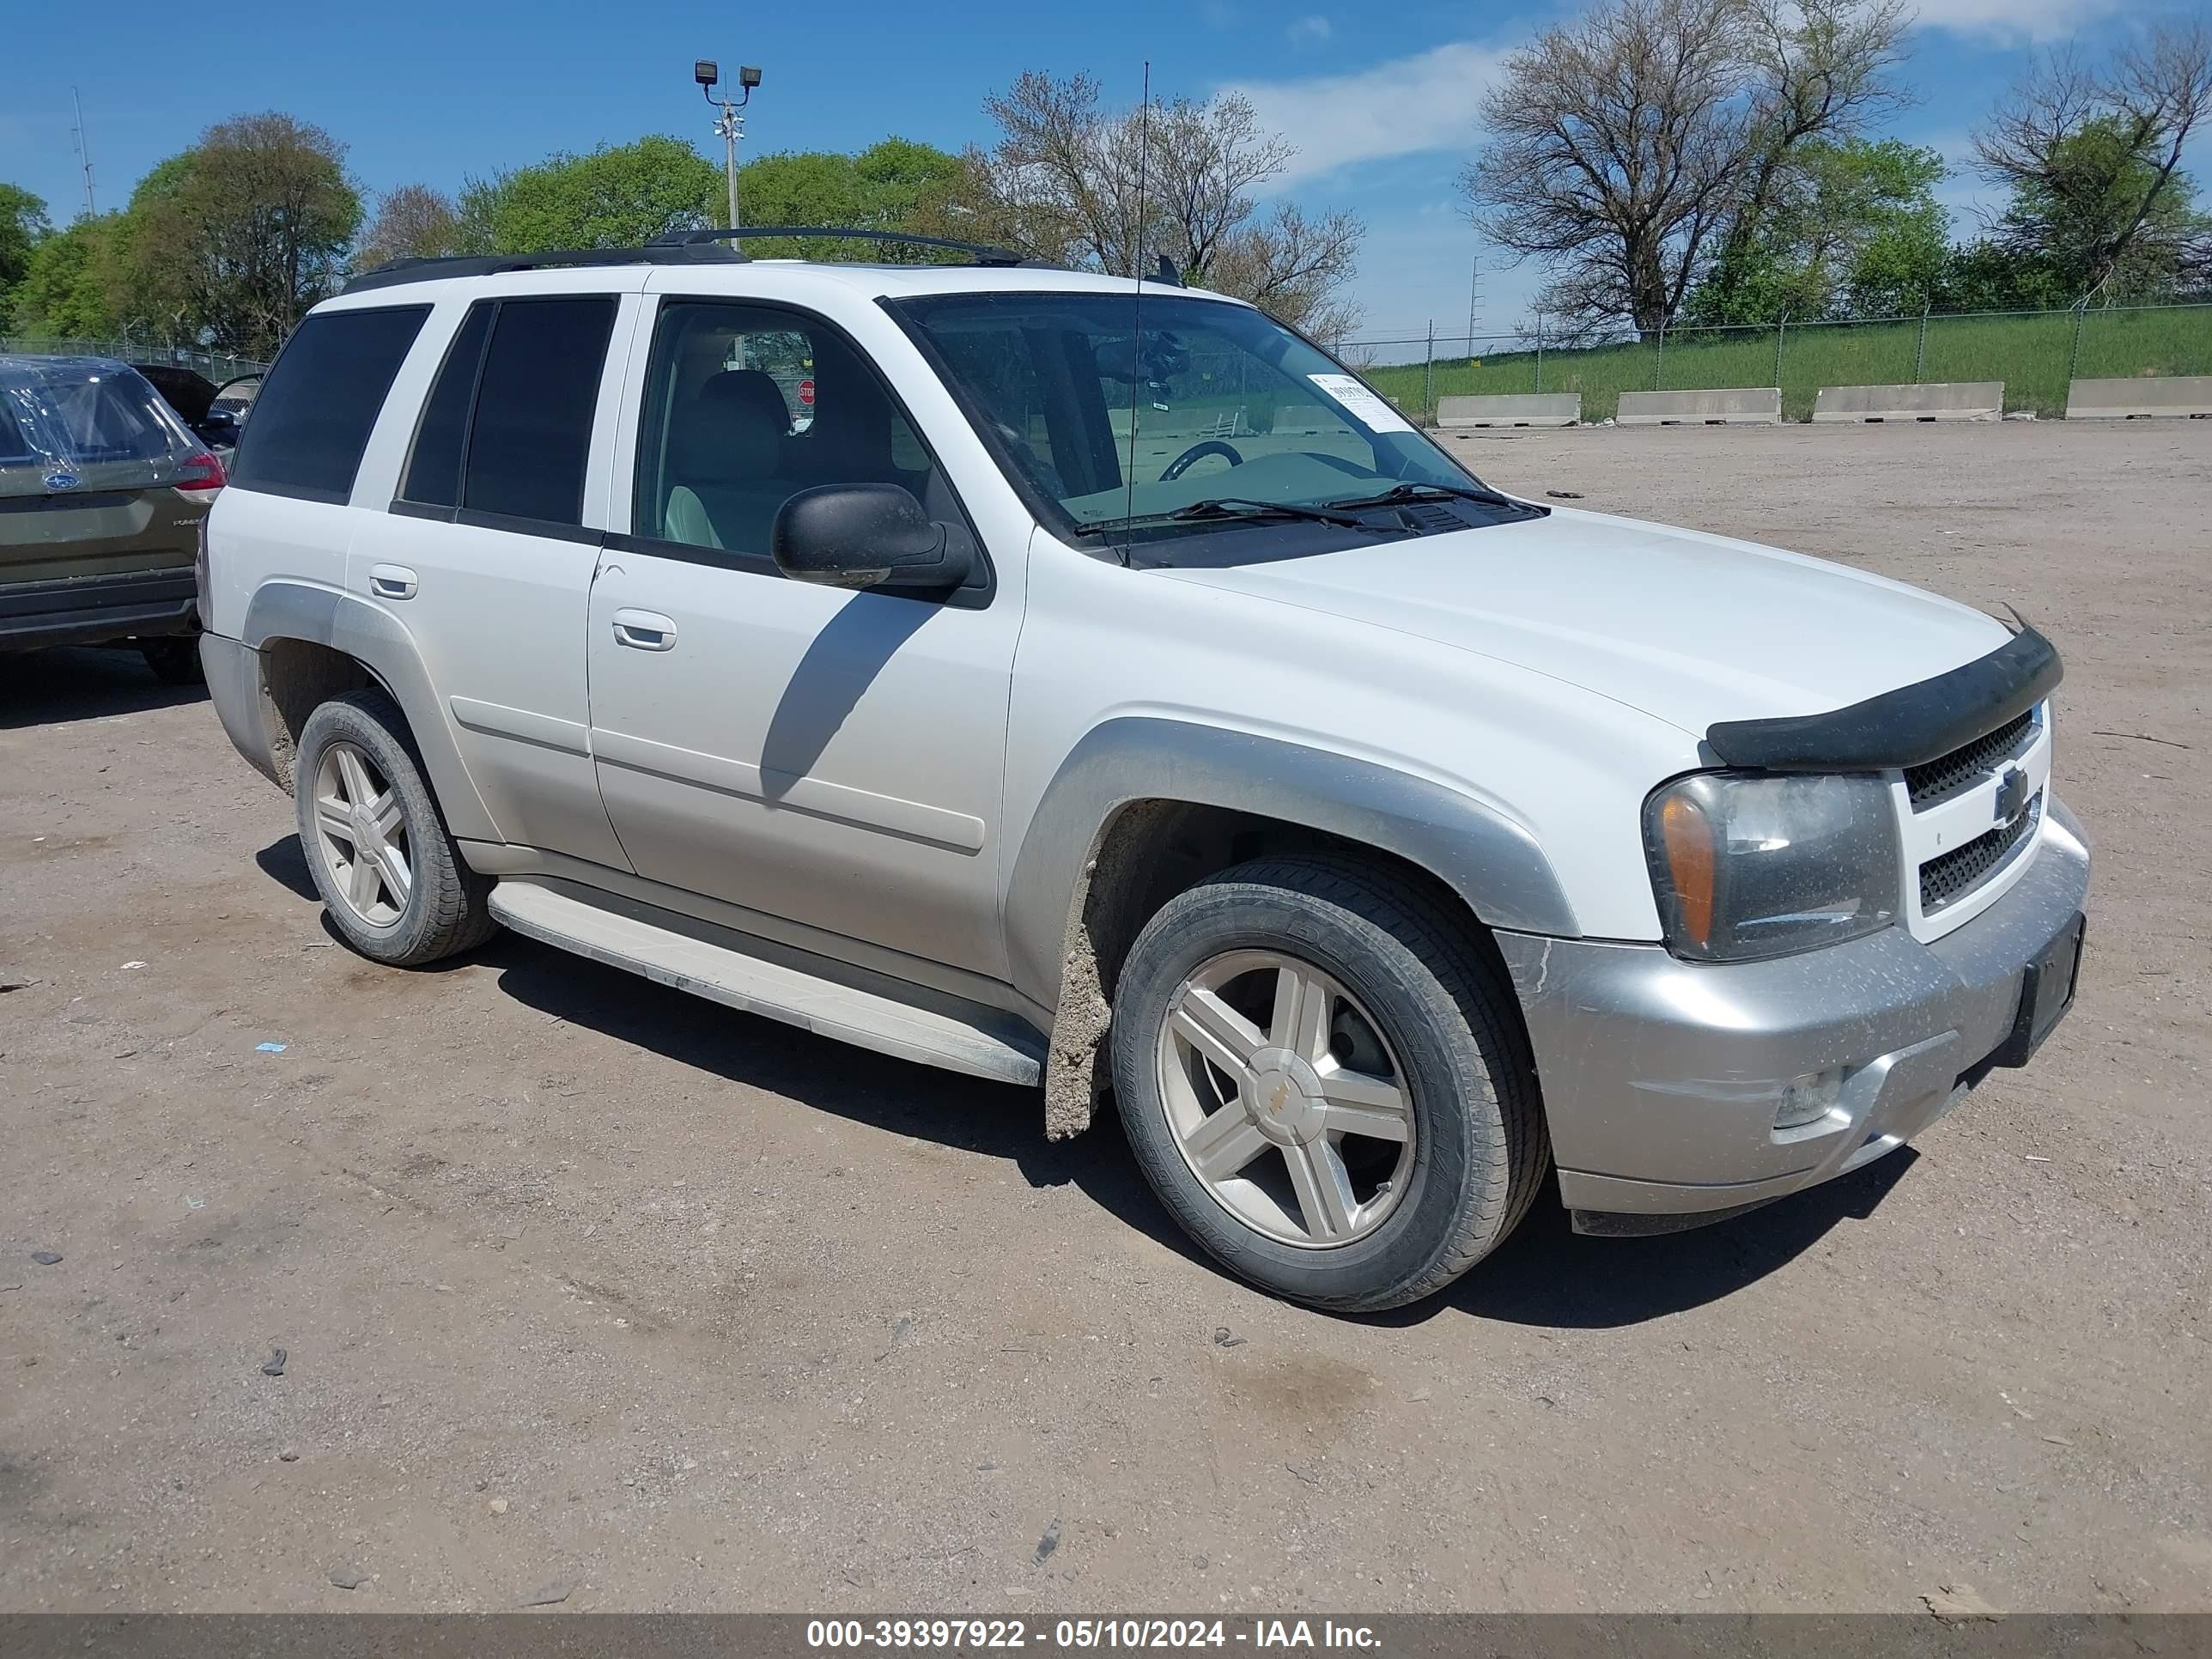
[2012, 795]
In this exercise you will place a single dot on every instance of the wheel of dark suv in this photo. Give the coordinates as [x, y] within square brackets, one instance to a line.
[391, 877]
[175, 661]
[1322, 1081]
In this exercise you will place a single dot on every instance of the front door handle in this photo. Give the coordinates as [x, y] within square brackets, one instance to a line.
[644, 630]
[392, 581]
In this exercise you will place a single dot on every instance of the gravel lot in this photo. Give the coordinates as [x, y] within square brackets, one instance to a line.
[584, 1284]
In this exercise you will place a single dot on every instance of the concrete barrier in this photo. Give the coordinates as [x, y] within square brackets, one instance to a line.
[1510, 409]
[2140, 399]
[1738, 405]
[1946, 400]
[1305, 419]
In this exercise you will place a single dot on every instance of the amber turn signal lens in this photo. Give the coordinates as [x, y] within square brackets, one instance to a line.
[1687, 837]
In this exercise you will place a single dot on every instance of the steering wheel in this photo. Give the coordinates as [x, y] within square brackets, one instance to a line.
[1182, 463]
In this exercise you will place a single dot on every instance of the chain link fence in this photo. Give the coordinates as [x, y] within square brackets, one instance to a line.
[216, 366]
[2034, 353]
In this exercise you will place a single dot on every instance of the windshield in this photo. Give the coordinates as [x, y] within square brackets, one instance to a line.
[1199, 400]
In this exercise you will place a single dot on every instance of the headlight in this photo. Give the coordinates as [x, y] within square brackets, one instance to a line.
[1749, 865]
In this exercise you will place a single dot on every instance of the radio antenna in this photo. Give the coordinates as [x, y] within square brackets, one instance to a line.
[1137, 307]
[83, 151]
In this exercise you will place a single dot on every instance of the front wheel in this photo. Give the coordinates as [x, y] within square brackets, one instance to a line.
[1324, 1085]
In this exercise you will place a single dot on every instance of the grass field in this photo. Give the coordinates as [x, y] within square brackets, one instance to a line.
[2031, 353]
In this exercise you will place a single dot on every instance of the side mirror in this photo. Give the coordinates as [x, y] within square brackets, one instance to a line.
[866, 535]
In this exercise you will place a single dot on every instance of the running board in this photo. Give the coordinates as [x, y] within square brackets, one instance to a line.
[759, 977]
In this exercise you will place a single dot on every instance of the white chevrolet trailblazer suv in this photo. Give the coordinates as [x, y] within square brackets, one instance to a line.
[1089, 683]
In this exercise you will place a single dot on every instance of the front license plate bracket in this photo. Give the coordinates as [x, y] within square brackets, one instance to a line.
[2046, 994]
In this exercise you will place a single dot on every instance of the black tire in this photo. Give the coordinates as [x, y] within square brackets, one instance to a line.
[1480, 1146]
[174, 661]
[445, 912]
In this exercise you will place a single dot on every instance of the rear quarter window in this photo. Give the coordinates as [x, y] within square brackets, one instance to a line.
[320, 402]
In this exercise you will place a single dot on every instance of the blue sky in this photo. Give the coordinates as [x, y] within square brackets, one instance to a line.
[1380, 100]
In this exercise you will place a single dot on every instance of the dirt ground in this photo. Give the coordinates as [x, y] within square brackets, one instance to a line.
[587, 1286]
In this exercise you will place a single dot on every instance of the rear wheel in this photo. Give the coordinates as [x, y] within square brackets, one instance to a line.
[1325, 1086]
[174, 661]
[390, 874]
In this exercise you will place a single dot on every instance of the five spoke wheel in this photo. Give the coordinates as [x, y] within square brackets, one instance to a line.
[1285, 1099]
[363, 835]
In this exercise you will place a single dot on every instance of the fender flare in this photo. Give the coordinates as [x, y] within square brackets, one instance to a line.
[1491, 862]
[377, 641]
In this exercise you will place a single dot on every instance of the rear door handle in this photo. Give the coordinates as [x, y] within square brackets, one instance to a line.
[644, 630]
[392, 581]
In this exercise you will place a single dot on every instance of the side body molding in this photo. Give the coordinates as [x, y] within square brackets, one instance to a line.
[324, 616]
[1489, 860]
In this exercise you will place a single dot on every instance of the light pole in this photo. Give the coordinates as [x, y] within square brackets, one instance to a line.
[730, 121]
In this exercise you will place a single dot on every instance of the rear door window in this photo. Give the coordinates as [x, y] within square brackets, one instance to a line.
[320, 402]
[530, 434]
[434, 468]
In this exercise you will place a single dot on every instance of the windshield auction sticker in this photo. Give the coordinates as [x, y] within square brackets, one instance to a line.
[1371, 410]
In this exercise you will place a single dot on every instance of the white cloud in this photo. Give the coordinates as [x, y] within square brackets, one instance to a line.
[1310, 31]
[2011, 20]
[1425, 102]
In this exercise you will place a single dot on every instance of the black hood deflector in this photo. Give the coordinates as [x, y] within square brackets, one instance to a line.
[1909, 726]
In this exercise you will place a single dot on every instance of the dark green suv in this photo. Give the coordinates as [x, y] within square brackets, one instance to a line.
[103, 489]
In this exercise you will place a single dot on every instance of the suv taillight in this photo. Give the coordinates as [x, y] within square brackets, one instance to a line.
[200, 572]
[200, 471]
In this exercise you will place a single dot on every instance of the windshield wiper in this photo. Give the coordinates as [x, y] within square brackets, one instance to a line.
[1240, 509]
[1397, 495]
[1243, 507]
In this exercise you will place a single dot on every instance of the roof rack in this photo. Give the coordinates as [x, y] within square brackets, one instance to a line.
[675, 247]
[491, 264]
[983, 253]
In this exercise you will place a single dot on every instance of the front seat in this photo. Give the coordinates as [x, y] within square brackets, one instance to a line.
[724, 454]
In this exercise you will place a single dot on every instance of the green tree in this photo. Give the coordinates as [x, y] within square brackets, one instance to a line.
[2091, 160]
[239, 235]
[66, 282]
[1987, 274]
[23, 224]
[613, 198]
[894, 184]
[1854, 231]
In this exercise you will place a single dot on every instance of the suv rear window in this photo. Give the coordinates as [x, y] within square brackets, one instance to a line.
[67, 423]
[320, 402]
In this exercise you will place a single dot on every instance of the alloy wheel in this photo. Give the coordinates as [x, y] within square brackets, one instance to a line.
[1285, 1099]
[362, 835]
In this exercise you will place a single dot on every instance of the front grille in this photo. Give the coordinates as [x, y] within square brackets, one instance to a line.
[1950, 877]
[1969, 764]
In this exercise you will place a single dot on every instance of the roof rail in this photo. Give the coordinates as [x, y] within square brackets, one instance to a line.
[983, 253]
[489, 265]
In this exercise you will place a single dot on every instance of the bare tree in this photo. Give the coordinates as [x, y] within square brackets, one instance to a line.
[1629, 147]
[2092, 158]
[1113, 191]
[412, 222]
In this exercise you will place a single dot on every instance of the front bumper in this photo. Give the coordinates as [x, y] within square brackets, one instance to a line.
[92, 610]
[1661, 1078]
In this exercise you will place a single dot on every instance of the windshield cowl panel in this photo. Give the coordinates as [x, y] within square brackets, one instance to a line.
[1120, 418]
